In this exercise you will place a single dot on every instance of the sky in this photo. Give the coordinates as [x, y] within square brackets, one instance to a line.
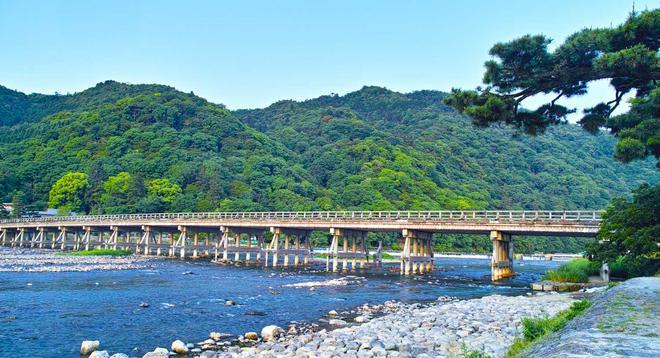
[249, 54]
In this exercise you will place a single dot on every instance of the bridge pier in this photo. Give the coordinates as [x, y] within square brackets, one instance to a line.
[334, 254]
[502, 260]
[417, 253]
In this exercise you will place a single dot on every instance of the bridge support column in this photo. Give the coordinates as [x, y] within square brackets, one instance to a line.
[61, 238]
[147, 237]
[347, 252]
[114, 233]
[86, 237]
[39, 238]
[181, 242]
[18, 237]
[415, 259]
[502, 261]
[3, 236]
[275, 244]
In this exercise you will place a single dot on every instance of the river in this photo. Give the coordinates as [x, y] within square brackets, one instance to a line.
[48, 314]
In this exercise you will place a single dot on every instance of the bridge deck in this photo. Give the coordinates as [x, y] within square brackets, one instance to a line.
[550, 223]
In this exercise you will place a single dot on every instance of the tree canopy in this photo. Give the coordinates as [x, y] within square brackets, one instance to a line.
[626, 55]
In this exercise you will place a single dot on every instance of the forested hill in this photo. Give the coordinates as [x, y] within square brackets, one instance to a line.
[385, 149]
[146, 148]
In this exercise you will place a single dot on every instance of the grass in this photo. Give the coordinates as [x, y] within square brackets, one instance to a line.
[534, 329]
[101, 252]
[576, 270]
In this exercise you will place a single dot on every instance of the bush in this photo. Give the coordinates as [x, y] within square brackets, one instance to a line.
[628, 267]
[576, 270]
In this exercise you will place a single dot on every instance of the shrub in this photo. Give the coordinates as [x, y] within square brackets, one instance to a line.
[576, 270]
[101, 252]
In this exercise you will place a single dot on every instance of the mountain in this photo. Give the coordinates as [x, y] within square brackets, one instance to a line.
[380, 149]
[372, 149]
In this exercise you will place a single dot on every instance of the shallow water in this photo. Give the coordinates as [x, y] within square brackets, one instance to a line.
[48, 314]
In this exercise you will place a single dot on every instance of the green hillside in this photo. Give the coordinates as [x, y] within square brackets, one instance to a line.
[150, 148]
[380, 149]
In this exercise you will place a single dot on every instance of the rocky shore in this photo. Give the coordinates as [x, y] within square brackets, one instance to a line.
[447, 327]
[43, 260]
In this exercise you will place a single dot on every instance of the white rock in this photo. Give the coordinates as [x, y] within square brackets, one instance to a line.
[179, 347]
[119, 355]
[99, 354]
[332, 313]
[216, 335]
[337, 322]
[361, 319]
[251, 336]
[271, 332]
[87, 347]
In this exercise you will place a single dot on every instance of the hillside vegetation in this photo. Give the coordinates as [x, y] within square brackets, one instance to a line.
[150, 148]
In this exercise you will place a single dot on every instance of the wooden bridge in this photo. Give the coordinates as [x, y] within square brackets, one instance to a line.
[282, 238]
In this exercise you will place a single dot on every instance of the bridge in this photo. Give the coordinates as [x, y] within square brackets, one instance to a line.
[283, 238]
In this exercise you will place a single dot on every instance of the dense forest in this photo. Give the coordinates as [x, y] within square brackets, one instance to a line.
[119, 148]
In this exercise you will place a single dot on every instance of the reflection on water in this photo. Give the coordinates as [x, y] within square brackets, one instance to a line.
[49, 314]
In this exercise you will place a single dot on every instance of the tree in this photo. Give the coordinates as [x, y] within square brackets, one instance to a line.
[115, 196]
[18, 204]
[631, 232]
[69, 191]
[163, 189]
[626, 55]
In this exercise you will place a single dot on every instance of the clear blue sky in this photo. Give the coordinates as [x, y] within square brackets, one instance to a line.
[249, 54]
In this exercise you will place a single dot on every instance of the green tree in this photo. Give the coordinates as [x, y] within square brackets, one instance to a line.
[163, 189]
[631, 232]
[18, 201]
[115, 195]
[69, 191]
[626, 55]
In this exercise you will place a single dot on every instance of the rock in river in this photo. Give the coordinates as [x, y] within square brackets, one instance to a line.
[271, 332]
[251, 336]
[179, 347]
[99, 354]
[87, 347]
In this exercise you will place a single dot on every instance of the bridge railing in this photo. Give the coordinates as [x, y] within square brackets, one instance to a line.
[439, 216]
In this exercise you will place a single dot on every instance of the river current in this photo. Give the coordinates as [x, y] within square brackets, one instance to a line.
[48, 314]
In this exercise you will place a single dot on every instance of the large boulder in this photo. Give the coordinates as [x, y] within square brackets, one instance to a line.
[252, 336]
[179, 347]
[271, 332]
[87, 347]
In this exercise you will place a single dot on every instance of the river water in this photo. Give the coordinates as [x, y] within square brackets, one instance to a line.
[48, 314]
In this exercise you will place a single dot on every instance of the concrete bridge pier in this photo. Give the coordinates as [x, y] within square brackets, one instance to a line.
[417, 255]
[502, 260]
[343, 236]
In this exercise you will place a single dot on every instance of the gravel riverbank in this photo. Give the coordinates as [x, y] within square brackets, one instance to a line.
[43, 260]
[447, 327]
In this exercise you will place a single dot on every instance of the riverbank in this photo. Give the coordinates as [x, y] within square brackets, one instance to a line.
[447, 327]
[44, 260]
[622, 322]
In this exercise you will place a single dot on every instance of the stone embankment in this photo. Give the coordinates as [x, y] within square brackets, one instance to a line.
[622, 322]
[43, 260]
[448, 327]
